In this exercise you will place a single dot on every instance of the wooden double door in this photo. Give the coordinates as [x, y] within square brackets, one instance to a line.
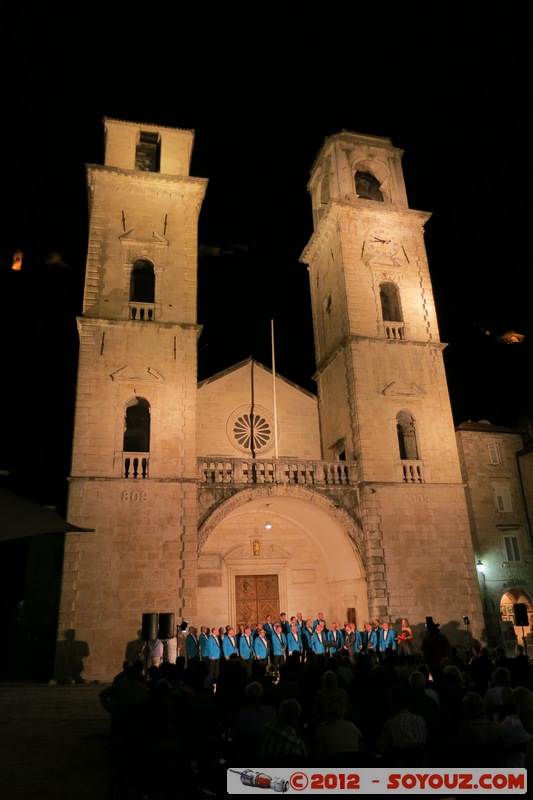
[256, 596]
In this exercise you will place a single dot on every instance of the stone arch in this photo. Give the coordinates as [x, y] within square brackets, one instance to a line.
[377, 170]
[340, 507]
[367, 186]
[314, 548]
[509, 597]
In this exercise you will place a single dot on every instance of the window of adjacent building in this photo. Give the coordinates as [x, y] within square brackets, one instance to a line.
[502, 495]
[137, 426]
[405, 427]
[511, 548]
[147, 152]
[390, 302]
[495, 453]
[142, 281]
[367, 186]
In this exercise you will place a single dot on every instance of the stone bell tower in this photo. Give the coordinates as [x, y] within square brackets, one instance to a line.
[383, 397]
[134, 451]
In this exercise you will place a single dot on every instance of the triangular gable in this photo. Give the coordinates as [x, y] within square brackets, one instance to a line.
[247, 362]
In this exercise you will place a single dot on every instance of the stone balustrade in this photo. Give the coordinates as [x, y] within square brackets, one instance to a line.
[219, 470]
[412, 472]
[142, 312]
[135, 465]
[280, 471]
[394, 330]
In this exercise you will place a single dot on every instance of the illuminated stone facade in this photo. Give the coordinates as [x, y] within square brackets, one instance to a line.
[381, 382]
[362, 488]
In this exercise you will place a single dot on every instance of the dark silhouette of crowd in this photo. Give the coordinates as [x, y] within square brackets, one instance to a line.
[174, 733]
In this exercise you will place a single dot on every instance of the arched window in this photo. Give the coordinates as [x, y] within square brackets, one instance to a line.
[367, 186]
[137, 426]
[390, 302]
[142, 281]
[405, 426]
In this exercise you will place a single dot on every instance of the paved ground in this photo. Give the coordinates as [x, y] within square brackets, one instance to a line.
[52, 742]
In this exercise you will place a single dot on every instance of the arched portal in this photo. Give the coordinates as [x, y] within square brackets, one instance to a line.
[516, 615]
[309, 558]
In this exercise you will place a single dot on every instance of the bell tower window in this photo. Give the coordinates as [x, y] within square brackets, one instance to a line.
[405, 426]
[142, 290]
[391, 311]
[411, 465]
[147, 153]
[367, 187]
[137, 426]
[136, 446]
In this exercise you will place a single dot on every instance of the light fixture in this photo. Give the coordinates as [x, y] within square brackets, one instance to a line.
[480, 566]
[268, 525]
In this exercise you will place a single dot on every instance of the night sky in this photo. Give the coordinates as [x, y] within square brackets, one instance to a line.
[449, 83]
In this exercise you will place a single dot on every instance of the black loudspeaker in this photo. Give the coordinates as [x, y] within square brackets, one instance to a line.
[520, 614]
[166, 626]
[149, 630]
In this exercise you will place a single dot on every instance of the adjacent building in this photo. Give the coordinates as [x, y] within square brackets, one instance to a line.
[498, 479]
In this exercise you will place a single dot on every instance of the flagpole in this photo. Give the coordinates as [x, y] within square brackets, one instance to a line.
[274, 391]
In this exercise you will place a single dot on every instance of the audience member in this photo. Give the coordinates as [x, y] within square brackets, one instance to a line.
[403, 738]
[336, 734]
[282, 738]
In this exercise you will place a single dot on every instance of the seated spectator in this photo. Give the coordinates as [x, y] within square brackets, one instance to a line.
[499, 702]
[249, 722]
[403, 738]
[330, 691]
[521, 672]
[345, 673]
[451, 691]
[127, 691]
[282, 739]
[526, 718]
[515, 737]
[479, 669]
[336, 734]
[429, 709]
[430, 685]
[479, 739]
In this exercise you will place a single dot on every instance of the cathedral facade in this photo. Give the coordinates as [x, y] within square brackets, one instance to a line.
[245, 495]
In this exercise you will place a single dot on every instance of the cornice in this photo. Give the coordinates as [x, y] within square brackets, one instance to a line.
[87, 321]
[101, 172]
[336, 210]
[346, 341]
[353, 137]
[150, 125]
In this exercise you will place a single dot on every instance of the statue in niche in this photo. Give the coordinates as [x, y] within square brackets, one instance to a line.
[256, 547]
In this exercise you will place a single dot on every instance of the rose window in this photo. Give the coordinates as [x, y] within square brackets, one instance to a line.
[251, 431]
[244, 431]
